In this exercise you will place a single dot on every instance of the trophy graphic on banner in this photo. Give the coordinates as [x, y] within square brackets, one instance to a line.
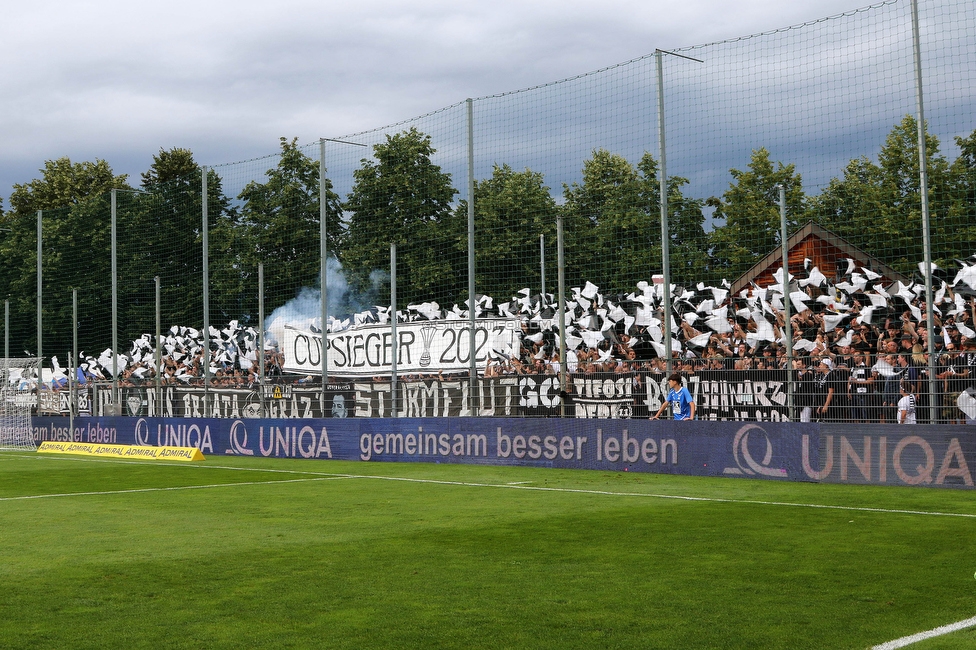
[427, 334]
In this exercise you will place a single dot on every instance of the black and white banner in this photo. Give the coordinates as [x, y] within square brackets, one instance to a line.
[758, 396]
[422, 347]
[279, 401]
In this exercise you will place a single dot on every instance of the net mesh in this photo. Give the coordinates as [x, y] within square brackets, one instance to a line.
[18, 379]
[827, 110]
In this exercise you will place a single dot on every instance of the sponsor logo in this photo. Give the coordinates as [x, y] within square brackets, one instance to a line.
[142, 432]
[238, 440]
[868, 459]
[742, 452]
[169, 435]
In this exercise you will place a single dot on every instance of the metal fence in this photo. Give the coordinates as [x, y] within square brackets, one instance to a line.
[540, 228]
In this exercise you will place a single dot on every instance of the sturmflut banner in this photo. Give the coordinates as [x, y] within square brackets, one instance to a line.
[937, 456]
[421, 347]
[720, 396]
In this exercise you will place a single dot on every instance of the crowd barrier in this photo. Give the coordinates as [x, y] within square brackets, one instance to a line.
[721, 395]
[936, 455]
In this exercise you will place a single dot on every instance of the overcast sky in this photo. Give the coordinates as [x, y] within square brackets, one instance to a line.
[120, 80]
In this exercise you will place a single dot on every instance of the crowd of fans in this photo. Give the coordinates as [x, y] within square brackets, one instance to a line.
[855, 354]
[859, 344]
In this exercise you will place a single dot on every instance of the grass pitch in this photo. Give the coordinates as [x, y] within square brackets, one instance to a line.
[266, 553]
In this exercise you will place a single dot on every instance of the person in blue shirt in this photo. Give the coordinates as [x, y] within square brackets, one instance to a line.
[680, 400]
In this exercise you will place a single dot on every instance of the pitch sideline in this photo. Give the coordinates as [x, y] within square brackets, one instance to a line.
[29, 497]
[929, 634]
[510, 486]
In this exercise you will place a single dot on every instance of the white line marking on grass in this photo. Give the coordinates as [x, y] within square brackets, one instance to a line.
[677, 497]
[167, 489]
[177, 464]
[922, 636]
[516, 485]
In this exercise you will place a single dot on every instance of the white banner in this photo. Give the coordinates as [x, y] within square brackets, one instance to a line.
[423, 347]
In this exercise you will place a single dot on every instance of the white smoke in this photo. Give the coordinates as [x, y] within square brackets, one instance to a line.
[304, 311]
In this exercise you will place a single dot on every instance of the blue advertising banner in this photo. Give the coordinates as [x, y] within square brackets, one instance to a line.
[901, 455]
[879, 454]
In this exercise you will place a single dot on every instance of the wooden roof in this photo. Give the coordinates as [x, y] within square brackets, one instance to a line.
[825, 250]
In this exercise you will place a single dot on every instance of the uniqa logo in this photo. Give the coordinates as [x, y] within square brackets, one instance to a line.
[142, 432]
[238, 440]
[744, 459]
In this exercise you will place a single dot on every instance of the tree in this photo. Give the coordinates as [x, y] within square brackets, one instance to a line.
[613, 228]
[852, 206]
[511, 210]
[878, 207]
[74, 200]
[63, 184]
[401, 196]
[606, 225]
[960, 222]
[281, 224]
[690, 258]
[163, 237]
[750, 210]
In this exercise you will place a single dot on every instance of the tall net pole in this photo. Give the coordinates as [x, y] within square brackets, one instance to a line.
[158, 353]
[663, 189]
[787, 325]
[73, 364]
[472, 298]
[116, 401]
[323, 273]
[561, 308]
[393, 329]
[261, 330]
[926, 230]
[205, 360]
[40, 313]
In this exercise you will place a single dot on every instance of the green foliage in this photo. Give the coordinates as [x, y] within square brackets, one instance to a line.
[401, 197]
[959, 225]
[613, 228]
[688, 244]
[751, 215]
[64, 183]
[878, 206]
[163, 231]
[607, 227]
[280, 226]
[76, 252]
[512, 209]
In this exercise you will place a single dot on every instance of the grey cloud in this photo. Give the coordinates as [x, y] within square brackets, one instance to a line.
[119, 81]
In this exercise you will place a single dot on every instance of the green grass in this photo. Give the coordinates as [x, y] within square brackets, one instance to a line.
[366, 562]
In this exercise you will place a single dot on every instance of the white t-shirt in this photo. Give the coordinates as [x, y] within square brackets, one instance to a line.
[907, 405]
[572, 361]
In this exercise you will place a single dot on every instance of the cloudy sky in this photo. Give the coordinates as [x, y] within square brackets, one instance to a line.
[118, 81]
